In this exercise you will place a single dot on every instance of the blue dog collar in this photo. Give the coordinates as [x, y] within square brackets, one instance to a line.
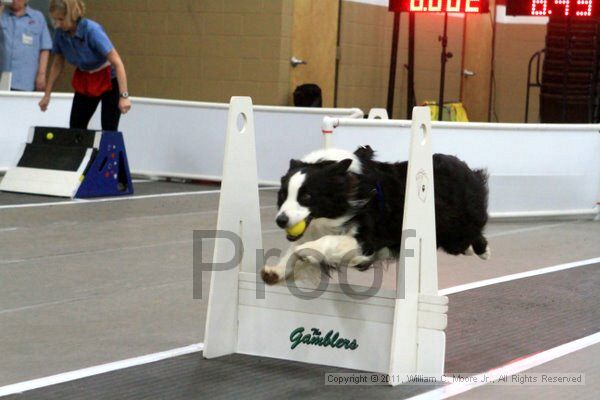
[379, 196]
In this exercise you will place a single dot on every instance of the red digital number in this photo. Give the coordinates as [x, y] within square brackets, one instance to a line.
[416, 5]
[539, 7]
[434, 5]
[566, 4]
[472, 6]
[455, 7]
[588, 8]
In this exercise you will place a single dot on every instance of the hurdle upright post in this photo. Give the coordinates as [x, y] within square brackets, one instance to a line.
[239, 213]
[418, 338]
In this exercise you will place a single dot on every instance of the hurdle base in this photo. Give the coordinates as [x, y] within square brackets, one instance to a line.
[272, 320]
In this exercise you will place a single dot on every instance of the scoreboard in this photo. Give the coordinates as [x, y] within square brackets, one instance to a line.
[436, 6]
[556, 8]
[532, 8]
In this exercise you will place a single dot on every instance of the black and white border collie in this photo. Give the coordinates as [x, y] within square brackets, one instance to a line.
[343, 208]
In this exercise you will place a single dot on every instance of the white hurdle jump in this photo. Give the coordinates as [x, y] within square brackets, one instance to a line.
[389, 333]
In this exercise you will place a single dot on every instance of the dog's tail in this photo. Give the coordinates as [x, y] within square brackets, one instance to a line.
[483, 176]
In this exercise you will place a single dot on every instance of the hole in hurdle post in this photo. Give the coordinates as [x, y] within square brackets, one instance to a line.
[424, 133]
[241, 122]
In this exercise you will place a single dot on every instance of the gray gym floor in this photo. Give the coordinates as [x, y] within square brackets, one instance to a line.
[84, 283]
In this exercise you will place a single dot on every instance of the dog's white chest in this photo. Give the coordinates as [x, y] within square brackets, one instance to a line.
[323, 226]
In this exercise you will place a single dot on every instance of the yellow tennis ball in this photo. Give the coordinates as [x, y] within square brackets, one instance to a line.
[297, 229]
[49, 135]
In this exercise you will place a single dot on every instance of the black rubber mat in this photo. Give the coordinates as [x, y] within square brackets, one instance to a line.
[57, 148]
[62, 158]
[63, 136]
[488, 327]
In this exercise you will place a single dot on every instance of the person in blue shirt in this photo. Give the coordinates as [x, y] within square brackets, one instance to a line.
[1, 41]
[99, 75]
[26, 46]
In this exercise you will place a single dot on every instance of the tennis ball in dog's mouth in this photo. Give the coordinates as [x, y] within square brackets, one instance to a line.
[49, 135]
[297, 229]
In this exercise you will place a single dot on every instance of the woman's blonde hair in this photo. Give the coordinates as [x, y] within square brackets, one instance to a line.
[73, 10]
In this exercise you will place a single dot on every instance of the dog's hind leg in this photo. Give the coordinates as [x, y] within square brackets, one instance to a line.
[455, 247]
[481, 248]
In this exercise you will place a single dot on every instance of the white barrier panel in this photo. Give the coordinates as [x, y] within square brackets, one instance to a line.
[5, 80]
[176, 138]
[399, 334]
[535, 170]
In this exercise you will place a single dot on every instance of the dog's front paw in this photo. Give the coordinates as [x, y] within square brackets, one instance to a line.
[270, 275]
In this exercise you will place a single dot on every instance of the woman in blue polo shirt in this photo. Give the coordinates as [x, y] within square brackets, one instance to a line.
[25, 47]
[100, 74]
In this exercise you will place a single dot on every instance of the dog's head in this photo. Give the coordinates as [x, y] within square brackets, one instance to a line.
[318, 186]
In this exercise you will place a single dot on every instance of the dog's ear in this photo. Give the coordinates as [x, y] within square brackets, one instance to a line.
[295, 164]
[341, 167]
[364, 152]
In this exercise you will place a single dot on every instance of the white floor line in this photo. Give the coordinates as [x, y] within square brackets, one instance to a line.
[125, 198]
[520, 275]
[56, 225]
[99, 369]
[523, 230]
[97, 296]
[109, 199]
[98, 251]
[515, 367]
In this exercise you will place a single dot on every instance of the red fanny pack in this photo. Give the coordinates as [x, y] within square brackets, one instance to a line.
[93, 84]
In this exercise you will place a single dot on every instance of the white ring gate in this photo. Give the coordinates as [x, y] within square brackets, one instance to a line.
[399, 333]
